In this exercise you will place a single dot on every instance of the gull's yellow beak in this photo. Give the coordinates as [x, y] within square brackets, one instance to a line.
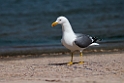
[54, 24]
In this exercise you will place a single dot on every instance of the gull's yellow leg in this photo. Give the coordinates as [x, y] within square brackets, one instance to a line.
[71, 62]
[81, 56]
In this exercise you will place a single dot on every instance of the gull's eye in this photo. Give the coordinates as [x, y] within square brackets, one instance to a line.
[59, 19]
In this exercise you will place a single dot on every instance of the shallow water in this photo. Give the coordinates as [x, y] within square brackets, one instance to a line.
[28, 22]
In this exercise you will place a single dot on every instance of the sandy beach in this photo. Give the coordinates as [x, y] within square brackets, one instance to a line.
[97, 68]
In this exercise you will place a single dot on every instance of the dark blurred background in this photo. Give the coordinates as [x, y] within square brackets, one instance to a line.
[28, 22]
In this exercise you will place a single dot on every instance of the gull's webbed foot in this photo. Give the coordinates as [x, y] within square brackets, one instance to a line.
[70, 63]
[81, 62]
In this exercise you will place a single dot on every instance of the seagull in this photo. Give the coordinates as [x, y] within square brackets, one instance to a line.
[74, 41]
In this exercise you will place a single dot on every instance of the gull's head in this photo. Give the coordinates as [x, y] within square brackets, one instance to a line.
[60, 20]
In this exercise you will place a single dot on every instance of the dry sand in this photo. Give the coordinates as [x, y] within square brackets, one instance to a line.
[98, 68]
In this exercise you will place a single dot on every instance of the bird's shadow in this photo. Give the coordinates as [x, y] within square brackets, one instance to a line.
[60, 64]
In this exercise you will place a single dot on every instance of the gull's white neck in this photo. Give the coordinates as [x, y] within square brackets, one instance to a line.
[66, 28]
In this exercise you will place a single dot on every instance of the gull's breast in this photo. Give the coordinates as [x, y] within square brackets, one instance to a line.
[68, 40]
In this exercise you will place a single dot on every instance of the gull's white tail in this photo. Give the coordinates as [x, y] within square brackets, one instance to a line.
[94, 44]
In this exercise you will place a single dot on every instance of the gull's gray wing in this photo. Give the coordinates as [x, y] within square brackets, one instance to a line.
[83, 40]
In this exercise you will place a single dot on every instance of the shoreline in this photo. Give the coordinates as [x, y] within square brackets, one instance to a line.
[48, 64]
[58, 48]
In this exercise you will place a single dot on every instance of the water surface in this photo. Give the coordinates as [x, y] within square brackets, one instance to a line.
[28, 22]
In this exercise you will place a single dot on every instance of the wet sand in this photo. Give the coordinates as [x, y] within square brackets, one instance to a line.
[97, 68]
